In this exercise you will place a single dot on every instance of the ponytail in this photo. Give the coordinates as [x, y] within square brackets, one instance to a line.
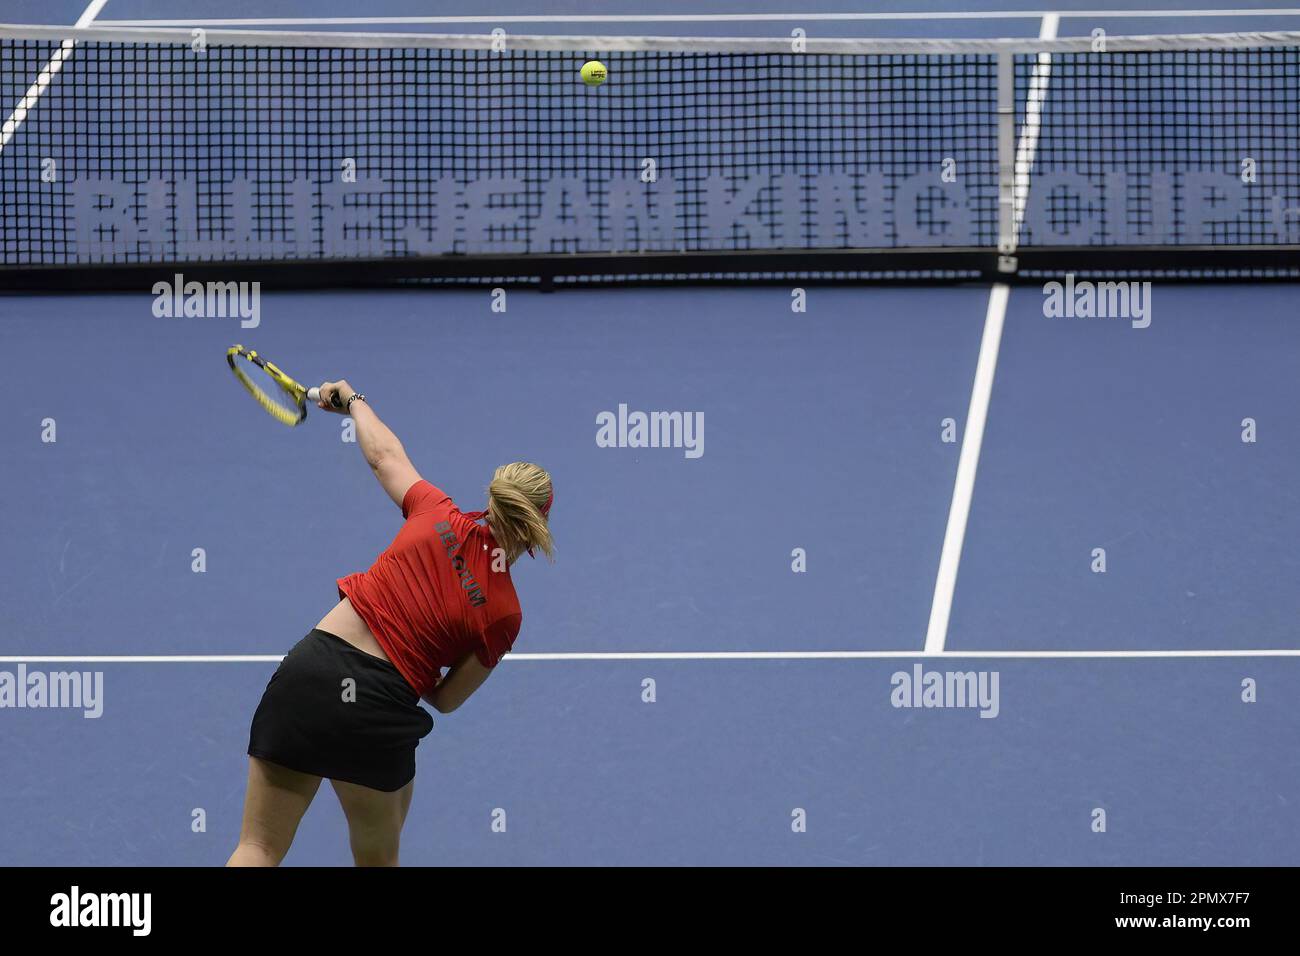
[519, 499]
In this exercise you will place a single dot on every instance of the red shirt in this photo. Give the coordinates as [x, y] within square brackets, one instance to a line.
[433, 597]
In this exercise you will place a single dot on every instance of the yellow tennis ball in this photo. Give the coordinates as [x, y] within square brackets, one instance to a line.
[594, 73]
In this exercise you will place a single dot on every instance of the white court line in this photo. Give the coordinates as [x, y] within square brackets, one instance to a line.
[964, 486]
[711, 17]
[692, 656]
[954, 535]
[892, 655]
[46, 76]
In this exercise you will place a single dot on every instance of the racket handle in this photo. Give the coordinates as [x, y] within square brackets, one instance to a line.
[314, 395]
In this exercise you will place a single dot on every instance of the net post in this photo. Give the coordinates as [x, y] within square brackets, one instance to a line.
[1006, 162]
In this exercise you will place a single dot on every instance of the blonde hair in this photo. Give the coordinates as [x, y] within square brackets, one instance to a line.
[518, 493]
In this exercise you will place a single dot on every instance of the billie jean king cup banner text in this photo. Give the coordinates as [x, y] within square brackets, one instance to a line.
[301, 218]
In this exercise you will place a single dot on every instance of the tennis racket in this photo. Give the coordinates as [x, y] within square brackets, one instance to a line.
[283, 399]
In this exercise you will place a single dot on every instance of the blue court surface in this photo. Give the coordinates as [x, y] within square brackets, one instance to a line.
[1128, 579]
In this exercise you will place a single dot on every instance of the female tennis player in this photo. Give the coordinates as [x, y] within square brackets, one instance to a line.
[344, 704]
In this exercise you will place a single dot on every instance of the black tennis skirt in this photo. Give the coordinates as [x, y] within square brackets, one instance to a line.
[335, 711]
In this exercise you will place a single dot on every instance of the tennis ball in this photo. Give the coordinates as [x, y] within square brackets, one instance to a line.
[594, 73]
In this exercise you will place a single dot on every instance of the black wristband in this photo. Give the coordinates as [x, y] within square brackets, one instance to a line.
[353, 398]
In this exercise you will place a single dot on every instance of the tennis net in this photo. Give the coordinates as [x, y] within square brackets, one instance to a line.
[364, 158]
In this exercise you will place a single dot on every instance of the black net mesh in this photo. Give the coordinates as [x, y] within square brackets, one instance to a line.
[261, 141]
[261, 155]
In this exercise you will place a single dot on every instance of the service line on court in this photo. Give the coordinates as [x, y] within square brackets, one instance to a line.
[694, 656]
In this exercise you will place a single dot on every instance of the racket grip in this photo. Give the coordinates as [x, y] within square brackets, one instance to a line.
[314, 395]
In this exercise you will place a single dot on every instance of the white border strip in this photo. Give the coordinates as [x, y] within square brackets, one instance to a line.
[633, 44]
[694, 656]
[892, 16]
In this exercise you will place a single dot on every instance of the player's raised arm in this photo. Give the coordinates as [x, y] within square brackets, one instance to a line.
[381, 448]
